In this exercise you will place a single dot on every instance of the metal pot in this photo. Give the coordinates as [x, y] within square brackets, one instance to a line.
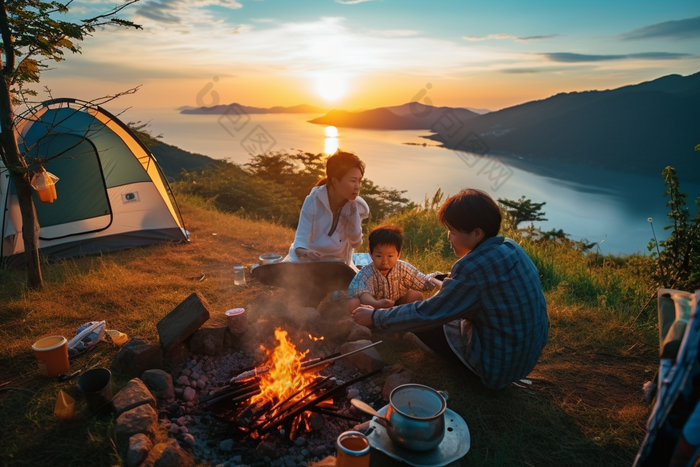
[270, 258]
[415, 417]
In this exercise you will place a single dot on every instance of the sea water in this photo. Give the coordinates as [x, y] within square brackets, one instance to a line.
[607, 207]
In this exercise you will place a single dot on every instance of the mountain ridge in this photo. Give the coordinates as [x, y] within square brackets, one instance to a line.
[236, 108]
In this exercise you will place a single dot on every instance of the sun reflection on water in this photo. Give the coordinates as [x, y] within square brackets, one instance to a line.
[330, 145]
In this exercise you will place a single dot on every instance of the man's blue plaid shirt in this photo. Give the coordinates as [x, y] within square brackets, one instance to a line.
[493, 312]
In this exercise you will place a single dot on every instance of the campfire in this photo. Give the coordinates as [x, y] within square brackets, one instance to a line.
[285, 395]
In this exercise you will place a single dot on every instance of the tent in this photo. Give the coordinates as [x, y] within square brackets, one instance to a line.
[111, 193]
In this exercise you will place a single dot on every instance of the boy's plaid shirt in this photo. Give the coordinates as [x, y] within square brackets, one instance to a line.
[400, 279]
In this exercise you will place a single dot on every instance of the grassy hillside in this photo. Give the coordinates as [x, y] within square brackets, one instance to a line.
[583, 409]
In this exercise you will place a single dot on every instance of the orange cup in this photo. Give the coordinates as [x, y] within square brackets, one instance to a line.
[51, 354]
[352, 450]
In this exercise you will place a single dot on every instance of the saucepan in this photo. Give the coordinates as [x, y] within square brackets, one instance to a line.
[415, 417]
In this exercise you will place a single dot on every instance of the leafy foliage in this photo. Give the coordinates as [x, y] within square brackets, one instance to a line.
[37, 34]
[298, 172]
[521, 210]
[273, 186]
[144, 133]
[678, 260]
[233, 189]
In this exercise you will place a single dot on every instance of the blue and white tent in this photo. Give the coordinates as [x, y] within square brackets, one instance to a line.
[112, 194]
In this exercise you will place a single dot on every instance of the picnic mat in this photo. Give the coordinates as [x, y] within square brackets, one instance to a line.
[310, 281]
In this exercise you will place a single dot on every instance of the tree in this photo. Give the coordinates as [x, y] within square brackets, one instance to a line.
[32, 33]
[678, 262]
[522, 210]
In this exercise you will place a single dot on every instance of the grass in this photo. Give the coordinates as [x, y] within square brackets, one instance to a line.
[584, 408]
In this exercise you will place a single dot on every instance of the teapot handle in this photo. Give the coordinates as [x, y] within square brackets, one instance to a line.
[444, 395]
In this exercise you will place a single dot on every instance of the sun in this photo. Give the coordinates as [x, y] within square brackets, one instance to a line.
[331, 86]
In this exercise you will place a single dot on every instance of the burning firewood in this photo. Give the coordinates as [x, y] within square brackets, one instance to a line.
[284, 393]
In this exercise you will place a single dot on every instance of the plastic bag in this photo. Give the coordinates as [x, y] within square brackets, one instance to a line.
[45, 185]
[89, 334]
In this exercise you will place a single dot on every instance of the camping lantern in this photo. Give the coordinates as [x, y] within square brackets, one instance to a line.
[45, 185]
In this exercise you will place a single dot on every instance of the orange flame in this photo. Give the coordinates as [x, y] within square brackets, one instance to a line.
[285, 376]
[315, 338]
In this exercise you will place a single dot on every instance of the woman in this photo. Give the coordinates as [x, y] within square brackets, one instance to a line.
[330, 223]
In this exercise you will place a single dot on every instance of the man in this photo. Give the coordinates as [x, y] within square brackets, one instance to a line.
[490, 314]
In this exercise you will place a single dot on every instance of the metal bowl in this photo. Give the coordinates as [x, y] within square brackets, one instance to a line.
[269, 258]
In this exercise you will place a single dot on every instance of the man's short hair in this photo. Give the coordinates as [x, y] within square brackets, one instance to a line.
[470, 209]
[386, 235]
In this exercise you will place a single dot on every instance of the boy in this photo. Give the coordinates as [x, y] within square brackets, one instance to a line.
[490, 315]
[388, 281]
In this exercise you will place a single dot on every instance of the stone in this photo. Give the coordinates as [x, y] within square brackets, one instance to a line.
[300, 441]
[226, 445]
[266, 449]
[337, 330]
[174, 410]
[397, 379]
[154, 454]
[189, 440]
[208, 341]
[304, 317]
[353, 393]
[189, 394]
[183, 321]
[316, 422]
[135, 393]
[174, 429]
[359, 332]
[178, 354]
[135, 357]
[159, 383]
[366, 361]
[183, 381]
[325, 462]
[141, 419]
[396, 368]
[243, 340]
[174, 456]
[139, 447]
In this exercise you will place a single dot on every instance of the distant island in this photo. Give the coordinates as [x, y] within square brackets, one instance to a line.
[236, 108]
[410, 116]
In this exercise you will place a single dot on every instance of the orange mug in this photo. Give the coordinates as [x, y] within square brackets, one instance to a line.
[352, 450]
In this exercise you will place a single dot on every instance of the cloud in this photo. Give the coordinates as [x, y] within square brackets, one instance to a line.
[173, 11]
[568, 57]
[523, 71]
[508, 37]
[352, 2]
[677, 29]
[396, 32]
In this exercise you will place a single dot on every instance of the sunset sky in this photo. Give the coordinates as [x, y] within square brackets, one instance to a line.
[354, 54]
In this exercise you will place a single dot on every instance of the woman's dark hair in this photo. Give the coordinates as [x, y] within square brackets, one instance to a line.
[470, 209]
[386, 235]
[340, 164]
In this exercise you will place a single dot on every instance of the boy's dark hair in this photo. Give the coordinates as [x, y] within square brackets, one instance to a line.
[470, 209]
[386, 235]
